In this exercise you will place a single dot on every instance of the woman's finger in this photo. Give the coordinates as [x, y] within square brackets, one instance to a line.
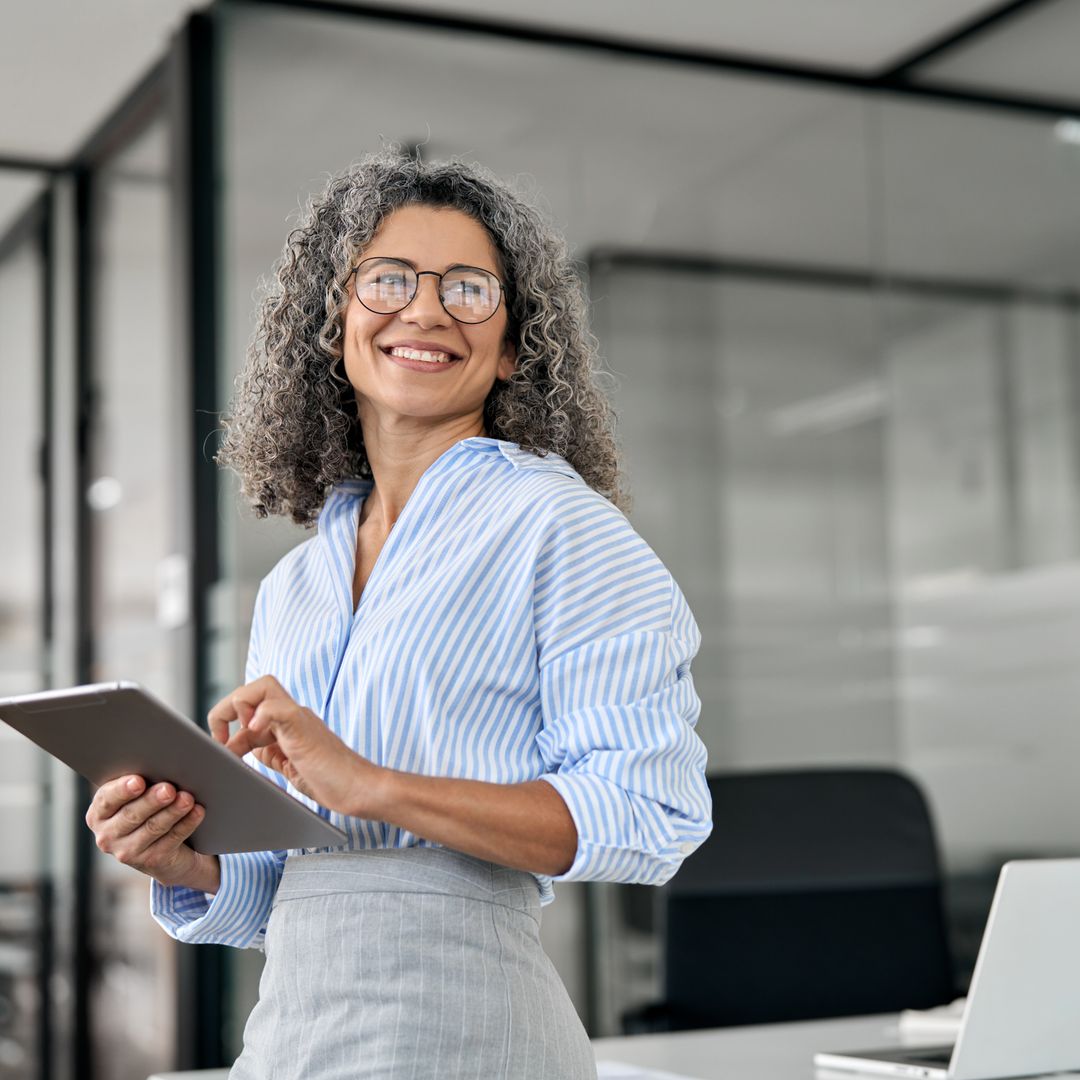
[179, 832]
[111, 796]
[157, 826]
[220, 717]
[238, 705]
[246, 740]
[274, 713]
[131, 817]
[271, 720]
[271, 756]
[131, 847]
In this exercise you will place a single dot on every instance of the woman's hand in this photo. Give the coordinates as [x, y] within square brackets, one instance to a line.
[148, 830]
[295, 742]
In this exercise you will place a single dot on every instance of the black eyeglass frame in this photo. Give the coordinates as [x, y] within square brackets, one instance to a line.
[438, 289]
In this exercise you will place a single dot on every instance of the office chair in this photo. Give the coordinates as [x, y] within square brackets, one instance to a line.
[818, 894]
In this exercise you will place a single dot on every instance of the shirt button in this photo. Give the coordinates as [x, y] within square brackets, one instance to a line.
[685, 849]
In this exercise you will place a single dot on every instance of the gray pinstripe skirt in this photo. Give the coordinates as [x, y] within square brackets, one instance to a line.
[409, 964]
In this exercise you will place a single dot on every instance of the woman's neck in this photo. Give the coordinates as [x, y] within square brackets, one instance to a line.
[398, 458]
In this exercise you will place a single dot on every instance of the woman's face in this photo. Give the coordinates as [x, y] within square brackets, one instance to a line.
[395, 391]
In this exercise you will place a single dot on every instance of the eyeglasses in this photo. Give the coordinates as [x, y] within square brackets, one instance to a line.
[467, 293]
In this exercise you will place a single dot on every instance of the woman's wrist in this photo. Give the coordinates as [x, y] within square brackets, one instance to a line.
[210, 876]
[371, 791]
[204, 876]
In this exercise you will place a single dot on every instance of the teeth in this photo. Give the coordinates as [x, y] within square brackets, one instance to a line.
[418, 354]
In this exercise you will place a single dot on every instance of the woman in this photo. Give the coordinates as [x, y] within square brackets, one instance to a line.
[476, 668]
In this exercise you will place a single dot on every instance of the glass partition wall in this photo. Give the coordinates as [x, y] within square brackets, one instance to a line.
[895, 581]
[96, 579]
[87, 981]
[842, 331]
[137, 507]
[26, 871]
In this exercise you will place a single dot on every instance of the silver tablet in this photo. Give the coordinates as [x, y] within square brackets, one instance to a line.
[111, 729]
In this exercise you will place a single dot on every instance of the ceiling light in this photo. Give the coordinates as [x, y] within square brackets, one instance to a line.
[956, 582]
[921, 637]
[1067, 130]
[104, 493]
[845, 408]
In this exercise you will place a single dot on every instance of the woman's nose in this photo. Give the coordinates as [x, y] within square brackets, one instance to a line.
[426, 308]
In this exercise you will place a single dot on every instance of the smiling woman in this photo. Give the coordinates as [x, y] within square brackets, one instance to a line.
[295, 429]
[476, 668]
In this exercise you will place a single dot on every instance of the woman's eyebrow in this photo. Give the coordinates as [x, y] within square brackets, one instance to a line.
[409, 262]
[389, 258]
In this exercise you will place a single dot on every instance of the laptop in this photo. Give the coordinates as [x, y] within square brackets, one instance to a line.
[1022, 1015]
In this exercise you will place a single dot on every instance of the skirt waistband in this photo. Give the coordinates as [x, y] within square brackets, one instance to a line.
[408, 870]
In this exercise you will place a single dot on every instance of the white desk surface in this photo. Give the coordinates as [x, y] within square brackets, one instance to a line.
[762, 1052]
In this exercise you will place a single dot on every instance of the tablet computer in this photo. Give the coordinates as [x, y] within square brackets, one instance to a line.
[108, 730]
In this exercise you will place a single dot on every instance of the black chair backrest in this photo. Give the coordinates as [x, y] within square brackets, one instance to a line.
[818, 894]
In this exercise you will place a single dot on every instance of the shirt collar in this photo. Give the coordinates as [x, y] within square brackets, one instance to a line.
[511, 451]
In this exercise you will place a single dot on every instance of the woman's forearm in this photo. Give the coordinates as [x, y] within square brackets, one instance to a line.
[526, 826]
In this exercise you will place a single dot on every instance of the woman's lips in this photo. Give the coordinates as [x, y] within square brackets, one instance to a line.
[426, 366]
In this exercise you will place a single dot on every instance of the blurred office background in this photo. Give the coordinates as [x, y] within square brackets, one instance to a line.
[833, 255]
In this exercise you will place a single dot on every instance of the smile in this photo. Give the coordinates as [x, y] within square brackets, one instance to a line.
[424, 356]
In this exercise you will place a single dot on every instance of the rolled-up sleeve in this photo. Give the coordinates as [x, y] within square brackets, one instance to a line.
[615, 638]
[238, 912]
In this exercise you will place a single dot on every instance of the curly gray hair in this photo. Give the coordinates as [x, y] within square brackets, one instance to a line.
[293, 430]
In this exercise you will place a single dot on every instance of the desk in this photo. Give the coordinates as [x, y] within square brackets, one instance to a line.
[762, 1052]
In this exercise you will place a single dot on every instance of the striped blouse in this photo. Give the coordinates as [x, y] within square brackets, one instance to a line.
[514, 627]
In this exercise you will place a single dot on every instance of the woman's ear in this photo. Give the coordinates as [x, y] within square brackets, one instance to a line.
[507, 361]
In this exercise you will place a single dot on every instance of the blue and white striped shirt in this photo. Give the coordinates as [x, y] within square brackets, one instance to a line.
[514, 627]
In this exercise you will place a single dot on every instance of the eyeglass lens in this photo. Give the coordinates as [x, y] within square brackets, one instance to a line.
[387, 285]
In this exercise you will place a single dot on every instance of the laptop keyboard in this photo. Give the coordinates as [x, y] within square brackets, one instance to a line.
[931, 1057]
